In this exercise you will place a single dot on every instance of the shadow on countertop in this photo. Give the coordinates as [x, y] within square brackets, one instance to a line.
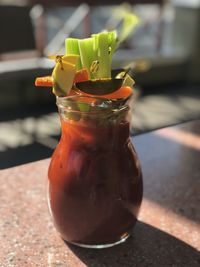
[147, 247]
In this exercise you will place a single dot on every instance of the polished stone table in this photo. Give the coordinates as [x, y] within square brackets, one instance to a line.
[168, 230]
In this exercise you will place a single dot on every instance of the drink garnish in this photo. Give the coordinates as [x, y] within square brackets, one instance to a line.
[100, 86]
[86, 68]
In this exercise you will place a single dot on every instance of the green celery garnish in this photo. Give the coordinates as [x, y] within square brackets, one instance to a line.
[84, 107]
[72, 47]
[103, 57]
[104, 46]
[112, 41]
[87, 53]
[98, 49]
[129, 23]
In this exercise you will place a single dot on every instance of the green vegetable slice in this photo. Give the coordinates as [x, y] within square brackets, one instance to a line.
[72, 47]
[87, 53]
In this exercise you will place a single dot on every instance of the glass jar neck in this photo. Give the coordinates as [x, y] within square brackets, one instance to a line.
[99, 111]
[94, 121]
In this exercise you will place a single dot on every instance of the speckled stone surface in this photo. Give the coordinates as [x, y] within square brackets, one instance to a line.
[168, 230]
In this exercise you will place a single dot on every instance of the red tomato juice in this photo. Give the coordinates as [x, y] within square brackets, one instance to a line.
[95, 183]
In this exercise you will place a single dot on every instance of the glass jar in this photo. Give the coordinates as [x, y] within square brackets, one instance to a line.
[95, 180]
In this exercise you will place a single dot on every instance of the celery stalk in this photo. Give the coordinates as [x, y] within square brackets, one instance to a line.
[87, 53]
[104, 46]
[72, 47]
[130, 21]
[103, 56]
[112, 39]
[99, 49]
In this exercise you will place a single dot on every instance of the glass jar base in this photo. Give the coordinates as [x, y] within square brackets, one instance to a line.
[101, 246]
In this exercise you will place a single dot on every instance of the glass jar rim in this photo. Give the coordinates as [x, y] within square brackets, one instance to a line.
[95, 104]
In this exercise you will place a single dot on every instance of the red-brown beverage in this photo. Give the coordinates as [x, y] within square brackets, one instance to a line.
[95, 181]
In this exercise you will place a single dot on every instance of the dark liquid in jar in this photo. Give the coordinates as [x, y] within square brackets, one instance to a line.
[95, 183]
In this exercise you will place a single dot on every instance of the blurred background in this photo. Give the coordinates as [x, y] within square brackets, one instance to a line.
[164, 51]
